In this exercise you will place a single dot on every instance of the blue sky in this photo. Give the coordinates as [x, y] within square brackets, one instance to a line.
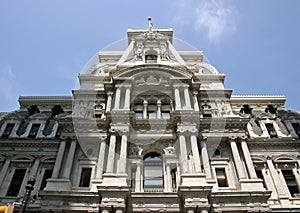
[45, 44]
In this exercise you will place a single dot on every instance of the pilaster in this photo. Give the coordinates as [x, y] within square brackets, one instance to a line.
[101, 156]
[205, 159]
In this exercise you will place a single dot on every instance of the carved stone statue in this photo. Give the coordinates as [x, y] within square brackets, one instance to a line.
[139, 52]
[164, 55]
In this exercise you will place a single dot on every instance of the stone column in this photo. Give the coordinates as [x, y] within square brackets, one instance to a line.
[4, 170]
[138, 178]
[117, 98]
[177, 99]
[158, 114]
[108, 103]
[34, 168]
[248, 160]
[127, 98]
[101, 156]
[269, 183]
[145, 111]
[59, 160]
[196, 105]
[111, 154]
[187, 97]
[123, 154]
[205, 160]
[34, 171]
[195, 151]
[237, 160]
[69, 161]
[183, 153]
[277, 181]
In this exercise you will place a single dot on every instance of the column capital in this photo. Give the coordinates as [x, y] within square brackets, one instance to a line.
[127, 86]
[177, 86]
[232, 139]
[244, 138]
[103, 138]
[194, 132]
[112, 131]
[183, 132]
[195, 92]
[109, 93]
[204, 139]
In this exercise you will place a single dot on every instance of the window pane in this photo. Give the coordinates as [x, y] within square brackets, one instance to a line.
[165, 115]
[221, 177]
[151, 58]
[271, 130]
[16, 182]
[34, 130]
[153, 173]
[49, 127]
[22, 127]
[290, 180]
[133, 173]
[152, 115]
[138, 115]
[47, 175]
[8, 130]
[85, 177]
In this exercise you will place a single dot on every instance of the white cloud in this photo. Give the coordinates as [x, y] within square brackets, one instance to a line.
[215, 19]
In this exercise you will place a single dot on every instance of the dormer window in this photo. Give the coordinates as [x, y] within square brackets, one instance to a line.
[22, 128]
[151, 59]
[34, 130]
[271, 130]
[8, 130]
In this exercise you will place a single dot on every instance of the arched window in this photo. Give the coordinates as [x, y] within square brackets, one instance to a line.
[153, 171]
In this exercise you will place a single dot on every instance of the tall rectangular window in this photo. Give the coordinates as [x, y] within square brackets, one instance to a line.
[173, 176]
[133, 173]
[34, 130]
[290, 180]
[85, 177]
[221, 177]
[8, 130]
[47, 175]
[16, 182]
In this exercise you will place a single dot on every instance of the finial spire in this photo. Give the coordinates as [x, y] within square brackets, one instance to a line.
[150, 25]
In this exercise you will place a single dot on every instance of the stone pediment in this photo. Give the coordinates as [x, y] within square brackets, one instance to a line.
[164, 70]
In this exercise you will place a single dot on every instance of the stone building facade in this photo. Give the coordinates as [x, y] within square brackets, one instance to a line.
[152, 129]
